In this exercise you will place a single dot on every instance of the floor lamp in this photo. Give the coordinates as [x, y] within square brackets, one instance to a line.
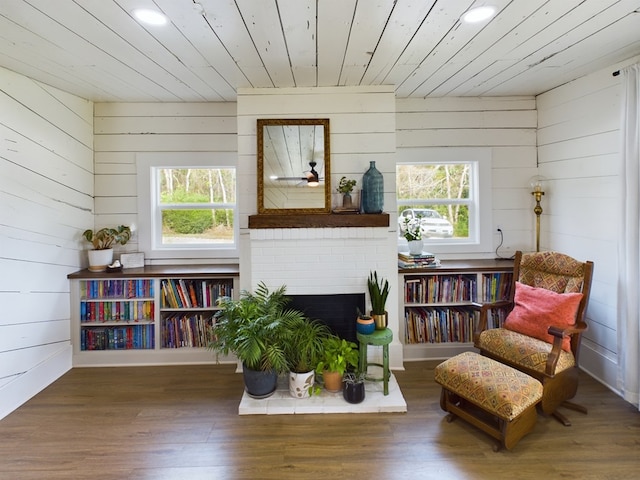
[537, 185]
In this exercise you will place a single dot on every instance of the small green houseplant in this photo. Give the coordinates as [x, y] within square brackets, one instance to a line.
[339, 355]
[412, 230]
[107, 237]
[345, 187]
[254, 329]
[103, 241]
[378, 293]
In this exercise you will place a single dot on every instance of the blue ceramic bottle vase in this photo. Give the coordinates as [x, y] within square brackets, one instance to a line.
[372, 190]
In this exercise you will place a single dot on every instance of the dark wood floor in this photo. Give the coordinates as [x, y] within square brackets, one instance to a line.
[181, 422]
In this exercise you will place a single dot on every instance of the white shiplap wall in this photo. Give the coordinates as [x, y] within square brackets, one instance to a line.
[506, 125]
[123, 130]
[578, 140]
[46, 201]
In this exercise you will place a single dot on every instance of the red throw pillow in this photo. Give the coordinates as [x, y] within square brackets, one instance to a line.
[536, 309]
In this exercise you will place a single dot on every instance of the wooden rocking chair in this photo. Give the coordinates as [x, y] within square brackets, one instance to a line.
[541, 335]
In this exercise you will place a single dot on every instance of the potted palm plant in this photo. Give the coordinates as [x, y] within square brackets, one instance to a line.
[254, 329]
[338, 356]
[103, 241]
[304, 349]
[378, 292]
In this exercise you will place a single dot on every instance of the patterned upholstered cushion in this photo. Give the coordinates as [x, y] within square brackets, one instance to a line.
[522, 350]
[494, 387]
[552, 270]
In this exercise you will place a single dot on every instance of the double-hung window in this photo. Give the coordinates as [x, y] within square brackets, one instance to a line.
[187, 205]
[447, 193]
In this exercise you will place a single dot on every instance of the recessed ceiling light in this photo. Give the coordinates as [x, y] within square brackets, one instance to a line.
[151, 17]
[478, 14]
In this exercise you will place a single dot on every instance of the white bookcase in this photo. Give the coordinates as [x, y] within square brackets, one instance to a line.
[147, 316]
[436, 317]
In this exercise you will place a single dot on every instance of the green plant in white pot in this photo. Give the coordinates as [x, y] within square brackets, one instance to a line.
[103, 241]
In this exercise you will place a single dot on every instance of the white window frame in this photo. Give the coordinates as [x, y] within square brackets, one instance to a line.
[150, 217]
[480, 205]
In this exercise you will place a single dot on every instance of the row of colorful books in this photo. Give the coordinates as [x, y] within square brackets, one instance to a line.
[133, 337]
[130, 288]
[438, 325]
[185, 293]
[187, 331]
[115, 311]
[496, 286]
[440, 289]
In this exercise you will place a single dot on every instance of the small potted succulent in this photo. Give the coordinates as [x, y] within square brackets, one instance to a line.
[345, 187]
[103, 241]
[354, 387]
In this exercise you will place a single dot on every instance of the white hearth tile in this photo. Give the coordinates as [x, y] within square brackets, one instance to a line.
[281, 402]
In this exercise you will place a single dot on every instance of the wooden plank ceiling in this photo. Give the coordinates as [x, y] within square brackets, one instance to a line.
[209, 48]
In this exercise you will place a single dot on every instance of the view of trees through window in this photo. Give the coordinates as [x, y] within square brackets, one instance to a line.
[197, 205]
[444, 188]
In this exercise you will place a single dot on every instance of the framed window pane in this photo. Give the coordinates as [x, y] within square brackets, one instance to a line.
[197, 226]
[197, 185]
[438, 197]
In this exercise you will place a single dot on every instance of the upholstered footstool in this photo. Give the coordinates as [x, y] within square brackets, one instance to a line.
[494, 397]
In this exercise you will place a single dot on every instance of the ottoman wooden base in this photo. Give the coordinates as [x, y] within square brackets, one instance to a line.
[494, 397]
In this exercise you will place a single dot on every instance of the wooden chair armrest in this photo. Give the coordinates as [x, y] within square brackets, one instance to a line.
[558, 334]
[483, 308]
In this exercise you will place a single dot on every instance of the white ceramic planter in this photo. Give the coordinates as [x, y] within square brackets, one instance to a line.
[300, 383]
[415, 247]
[99, 259]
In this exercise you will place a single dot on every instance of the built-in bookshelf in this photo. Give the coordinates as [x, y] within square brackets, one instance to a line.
[148, 315]
[187, 309]
[436, 317]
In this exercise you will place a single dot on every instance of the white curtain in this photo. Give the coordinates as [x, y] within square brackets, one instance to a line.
[629, 254]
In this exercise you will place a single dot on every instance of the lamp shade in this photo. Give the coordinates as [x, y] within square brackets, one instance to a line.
[538, 183]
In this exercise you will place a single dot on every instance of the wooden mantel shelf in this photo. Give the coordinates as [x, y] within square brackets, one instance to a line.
[328, 220]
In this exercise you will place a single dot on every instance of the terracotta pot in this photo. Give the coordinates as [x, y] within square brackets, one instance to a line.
[332, 381]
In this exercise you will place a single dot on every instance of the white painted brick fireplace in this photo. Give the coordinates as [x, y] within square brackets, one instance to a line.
[315, 261]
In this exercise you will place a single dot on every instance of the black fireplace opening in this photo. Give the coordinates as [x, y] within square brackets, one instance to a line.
[338, 311]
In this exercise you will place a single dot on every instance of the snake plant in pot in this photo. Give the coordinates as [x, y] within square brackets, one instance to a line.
[378, 293]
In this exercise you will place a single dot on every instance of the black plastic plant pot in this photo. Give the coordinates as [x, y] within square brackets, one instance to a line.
[354, 392]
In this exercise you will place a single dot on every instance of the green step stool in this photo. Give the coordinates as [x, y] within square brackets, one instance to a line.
[378, 338]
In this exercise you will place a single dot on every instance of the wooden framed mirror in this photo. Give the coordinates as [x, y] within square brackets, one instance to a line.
[293, 166]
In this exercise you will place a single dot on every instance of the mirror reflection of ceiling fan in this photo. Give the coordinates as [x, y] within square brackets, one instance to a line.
[311, 177]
